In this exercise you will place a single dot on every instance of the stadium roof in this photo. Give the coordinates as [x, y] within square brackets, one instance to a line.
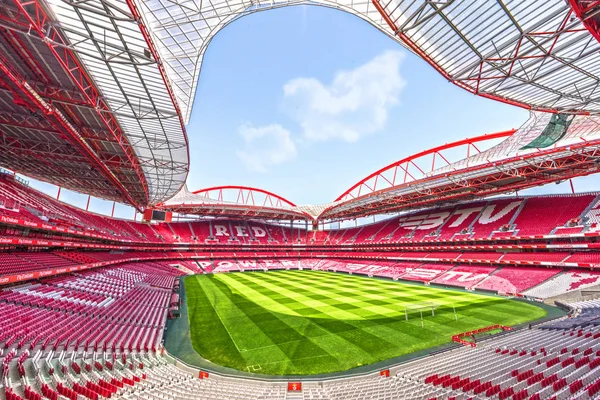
[547, 148]
[535, 54]
[85, 103]
[95, 94]
[239, 202]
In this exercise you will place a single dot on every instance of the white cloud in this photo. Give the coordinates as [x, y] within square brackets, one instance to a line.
[355, 104]
[266, 146]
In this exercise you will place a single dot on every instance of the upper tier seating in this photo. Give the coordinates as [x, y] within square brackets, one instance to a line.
[368, 233]
[164, 232]
[182, 231]
[541, 215]
[496, 215]
[461, 219]
[278, 234]
[497, 218]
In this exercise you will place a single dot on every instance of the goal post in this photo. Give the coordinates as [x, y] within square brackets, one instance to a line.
[422, 310]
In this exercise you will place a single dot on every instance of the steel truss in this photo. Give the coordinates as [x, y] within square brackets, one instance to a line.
[505, 176]
[588, 11]
[416, 166]
[533, 54]
[134, 64]
[40, 22]
[104, 52]
[235, 202]
[110, 38]
[244, 195]
[60, 124]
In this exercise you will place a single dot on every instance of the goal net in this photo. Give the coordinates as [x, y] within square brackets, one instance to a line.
[420, 310]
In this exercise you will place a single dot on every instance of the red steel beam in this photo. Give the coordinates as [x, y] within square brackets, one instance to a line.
[71, 65]
[145, 32]
[56, 119]
[248, 188]
[590, 23]
[58, 151]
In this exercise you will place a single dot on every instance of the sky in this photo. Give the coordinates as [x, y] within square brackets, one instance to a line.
[305, 101]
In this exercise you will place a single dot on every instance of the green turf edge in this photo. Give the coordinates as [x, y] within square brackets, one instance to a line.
[178, 342]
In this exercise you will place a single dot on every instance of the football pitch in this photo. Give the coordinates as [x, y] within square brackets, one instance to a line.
[311, 322]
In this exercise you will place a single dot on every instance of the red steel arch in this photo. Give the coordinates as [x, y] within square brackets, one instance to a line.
[246, 195]
[408, 167]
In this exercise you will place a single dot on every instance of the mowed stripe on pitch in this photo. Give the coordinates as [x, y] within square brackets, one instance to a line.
[341, 350]
[387, 336]
[291, 322]
[356, 320]
[318, 335]
[334, 344]
[363, 309]
[242, 330]
[361, 334]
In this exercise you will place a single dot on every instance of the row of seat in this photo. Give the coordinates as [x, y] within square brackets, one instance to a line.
[445, 268]
[513, 216]
[539, 363]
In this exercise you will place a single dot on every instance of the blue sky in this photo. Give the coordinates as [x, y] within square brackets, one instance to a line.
[305, 101]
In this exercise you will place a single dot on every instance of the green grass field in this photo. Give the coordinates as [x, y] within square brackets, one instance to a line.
[310, 322]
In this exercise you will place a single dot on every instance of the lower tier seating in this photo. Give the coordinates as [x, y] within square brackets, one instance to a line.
[98, 335]
[565, 282]
[64, 323]
[539, 363]
[516, 280]
[426, 272]
[464, 276]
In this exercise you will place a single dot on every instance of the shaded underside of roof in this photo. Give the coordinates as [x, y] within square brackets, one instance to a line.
[143, 59]
[535, 54]
[48, 129]
[84, 105]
